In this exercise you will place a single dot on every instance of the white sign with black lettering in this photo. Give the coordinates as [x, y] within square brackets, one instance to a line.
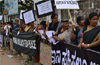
[66, 4]
[45, 7]
[28, 17]
[21, 11]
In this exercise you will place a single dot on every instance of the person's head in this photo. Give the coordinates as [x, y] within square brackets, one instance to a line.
[80, 20]
[43, 24]
[13, 24]
[9, 23]
[17, 22]
[31, 24]
[65, 23]
[21, 22]
[54, 18]
[93, 19]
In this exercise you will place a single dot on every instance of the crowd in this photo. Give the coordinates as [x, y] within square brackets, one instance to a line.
[85, 35]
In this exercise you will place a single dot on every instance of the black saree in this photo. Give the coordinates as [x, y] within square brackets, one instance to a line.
[90, 36]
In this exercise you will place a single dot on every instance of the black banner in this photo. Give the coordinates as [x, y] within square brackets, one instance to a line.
[25, 43]
[69, 54]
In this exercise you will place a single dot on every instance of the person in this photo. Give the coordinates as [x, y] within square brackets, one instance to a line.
[78, 30]
[31, 27]
[16, 27]
[91, 33]
[2, 28]
[7, 29]
[22, 26]
[64, 32]
[37, 27]
[43, 27]
[54, 25]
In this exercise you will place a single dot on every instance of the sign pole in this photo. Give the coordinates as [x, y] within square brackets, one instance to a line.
[71, 18]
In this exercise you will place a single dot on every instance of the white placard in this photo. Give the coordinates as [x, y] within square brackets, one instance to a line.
[35, 1]
[45, 7]
[66, 4]
[28, 16]
[0, 17]
[21, 11]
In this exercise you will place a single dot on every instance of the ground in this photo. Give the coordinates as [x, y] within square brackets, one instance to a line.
[4, 60]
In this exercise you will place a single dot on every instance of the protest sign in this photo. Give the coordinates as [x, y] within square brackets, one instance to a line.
[21, 11]
[66, 4]
[45, 54]
[28, 16]
[44, 8]
[25, 43]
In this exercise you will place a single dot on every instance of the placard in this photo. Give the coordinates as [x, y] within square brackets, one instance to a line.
[0, 17]
[21, 11]
[45, 54]
[28, 16]
[66, 4]
[44, 8]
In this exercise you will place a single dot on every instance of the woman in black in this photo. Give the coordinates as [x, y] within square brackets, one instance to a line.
[91, 33]
[54, 25]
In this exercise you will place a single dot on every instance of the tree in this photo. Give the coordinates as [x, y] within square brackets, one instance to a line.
[28, 4]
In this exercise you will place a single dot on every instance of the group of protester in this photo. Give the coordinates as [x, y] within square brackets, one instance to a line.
[86, 35]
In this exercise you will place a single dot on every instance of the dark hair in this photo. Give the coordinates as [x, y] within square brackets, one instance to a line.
[53, 15]
[64, 21]
[21, 20]
[91, 15]
[79, 18]
[43, 23]
[86, 22]
[17, 20]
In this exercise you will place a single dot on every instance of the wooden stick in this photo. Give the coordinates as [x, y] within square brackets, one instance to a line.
[71, 19]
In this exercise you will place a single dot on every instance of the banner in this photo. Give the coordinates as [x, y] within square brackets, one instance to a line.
[1, 40]
[28, 16]
[44, 8]
[69, 54]
[11, 6]
[66, 4]
[25, 43]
